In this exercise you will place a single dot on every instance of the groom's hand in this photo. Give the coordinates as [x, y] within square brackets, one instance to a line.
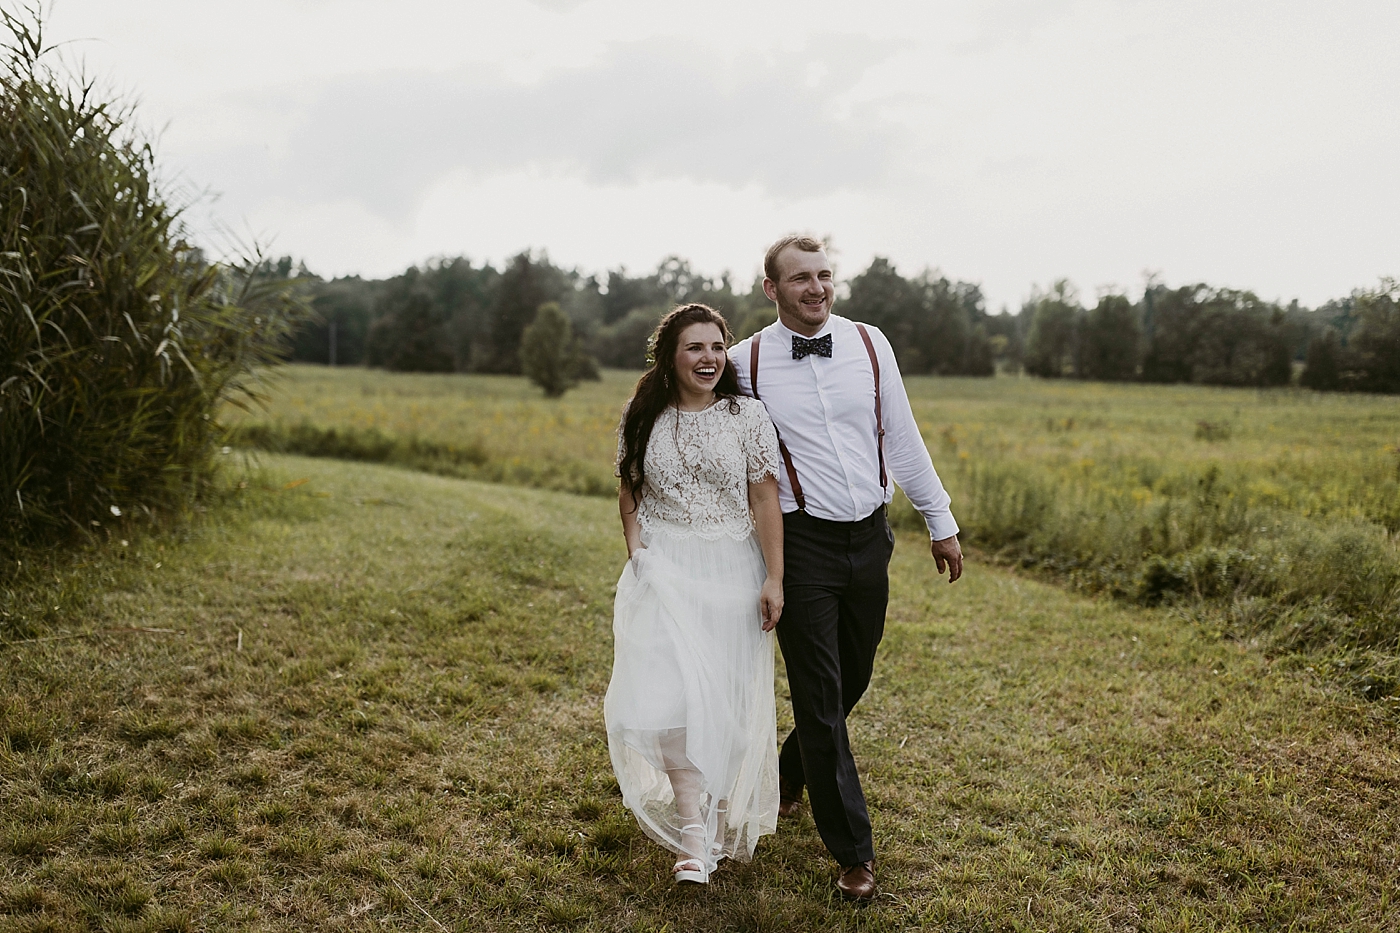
[947, 555]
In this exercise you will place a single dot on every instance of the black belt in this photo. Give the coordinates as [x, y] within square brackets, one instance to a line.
[871, 519]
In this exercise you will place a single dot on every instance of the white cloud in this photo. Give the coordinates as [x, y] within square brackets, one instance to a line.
[1007, 141]
[644, 113]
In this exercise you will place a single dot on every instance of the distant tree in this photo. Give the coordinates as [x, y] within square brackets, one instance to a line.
[754, 320]
[1109, 340]
[1172, 329]
[1340, 315]
[883, 297]
[1375, 341]
[979, 353]
[551, 355]
[1051, 344]
[431, 318]
[1278, 367]
[582, 302]
[344, 309]
[625, 294]
[1216, 336]
[1302, 325]
[518, 298]
[1241, 341]
[411, 332]
[1360, 348]
[527, 282]
[948, 315]
[629, 307]
[752, 310]
[464, 295]
[930, 320]
[477, 315]
[623, 344]
[679, 283]
[1322, 370]
[1006, 338]
[451, 315]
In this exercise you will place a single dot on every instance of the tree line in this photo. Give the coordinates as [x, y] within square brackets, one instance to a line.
[452, 315]
[1216, 336]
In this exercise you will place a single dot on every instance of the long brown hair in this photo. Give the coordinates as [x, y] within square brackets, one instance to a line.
[658, 388]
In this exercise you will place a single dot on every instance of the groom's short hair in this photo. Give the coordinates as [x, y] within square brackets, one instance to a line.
[805, 243]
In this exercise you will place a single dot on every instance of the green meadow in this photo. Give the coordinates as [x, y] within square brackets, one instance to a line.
[1318, 455]
[368, 695]
[1271, 515]
[492, 428]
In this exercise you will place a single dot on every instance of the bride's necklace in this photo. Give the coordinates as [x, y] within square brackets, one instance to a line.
[676, 431]
[695, 411]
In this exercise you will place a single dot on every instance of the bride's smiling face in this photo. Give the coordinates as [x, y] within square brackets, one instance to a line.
[700, 358]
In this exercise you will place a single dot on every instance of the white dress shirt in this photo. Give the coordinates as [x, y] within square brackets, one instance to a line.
[824, 410]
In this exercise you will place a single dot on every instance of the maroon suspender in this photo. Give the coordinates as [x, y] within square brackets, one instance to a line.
[782, 448]
[879, 422]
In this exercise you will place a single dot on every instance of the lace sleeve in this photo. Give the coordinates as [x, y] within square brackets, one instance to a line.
[760, 443]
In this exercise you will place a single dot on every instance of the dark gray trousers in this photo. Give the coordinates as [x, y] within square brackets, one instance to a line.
[836, 587]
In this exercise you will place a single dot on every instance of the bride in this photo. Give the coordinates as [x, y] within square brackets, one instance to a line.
[690, 710]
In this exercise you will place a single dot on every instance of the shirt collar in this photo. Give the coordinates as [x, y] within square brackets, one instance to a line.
[787, 333]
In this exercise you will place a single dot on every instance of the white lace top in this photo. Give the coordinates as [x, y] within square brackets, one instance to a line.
[699, 465]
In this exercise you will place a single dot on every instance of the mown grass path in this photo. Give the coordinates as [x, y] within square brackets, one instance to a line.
[411, 735]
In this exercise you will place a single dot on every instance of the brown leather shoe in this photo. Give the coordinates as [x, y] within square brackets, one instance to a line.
[789, 798]
[857, 882]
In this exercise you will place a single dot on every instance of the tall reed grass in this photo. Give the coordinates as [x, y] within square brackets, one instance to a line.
[118, 342]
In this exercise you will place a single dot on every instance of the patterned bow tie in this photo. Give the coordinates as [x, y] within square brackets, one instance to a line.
[801, 346]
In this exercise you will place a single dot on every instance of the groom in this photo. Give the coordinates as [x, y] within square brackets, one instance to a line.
[845, 429]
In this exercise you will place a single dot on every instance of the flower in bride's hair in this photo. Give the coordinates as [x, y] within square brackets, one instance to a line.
[651, 351]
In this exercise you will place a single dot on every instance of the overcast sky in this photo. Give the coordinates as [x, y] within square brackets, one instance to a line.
[1248, 143]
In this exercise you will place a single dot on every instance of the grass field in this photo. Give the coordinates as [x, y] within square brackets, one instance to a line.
[492, 428]
[370, 698]
[1315, 454]
[1270, 514]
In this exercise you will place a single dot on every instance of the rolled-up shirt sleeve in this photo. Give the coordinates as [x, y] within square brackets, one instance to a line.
[906, 457]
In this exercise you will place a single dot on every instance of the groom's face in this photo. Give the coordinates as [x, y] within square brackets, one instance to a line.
[804, 290]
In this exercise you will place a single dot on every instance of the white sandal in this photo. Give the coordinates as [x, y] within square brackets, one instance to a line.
[717, 850]
[691, 870]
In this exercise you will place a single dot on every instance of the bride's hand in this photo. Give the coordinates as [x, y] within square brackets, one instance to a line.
[636, 557]
[770, 603]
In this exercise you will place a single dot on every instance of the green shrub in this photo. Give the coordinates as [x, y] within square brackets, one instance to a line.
[117, 340]
[551, 356]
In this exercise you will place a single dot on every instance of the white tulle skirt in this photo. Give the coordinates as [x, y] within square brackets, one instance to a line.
[692, 691]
